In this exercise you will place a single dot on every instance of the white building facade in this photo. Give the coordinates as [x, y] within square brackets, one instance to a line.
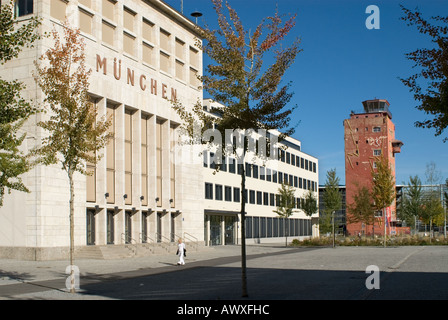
[142, 55]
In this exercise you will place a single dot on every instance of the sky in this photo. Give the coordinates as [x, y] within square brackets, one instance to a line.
[342, 64]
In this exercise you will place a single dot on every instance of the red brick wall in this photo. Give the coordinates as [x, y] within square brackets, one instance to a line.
[360, 144]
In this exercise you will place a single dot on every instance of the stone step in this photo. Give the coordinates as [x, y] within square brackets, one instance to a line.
[122, 251]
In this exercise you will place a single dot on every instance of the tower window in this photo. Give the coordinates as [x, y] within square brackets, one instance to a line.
[376, 129]
[23, 7]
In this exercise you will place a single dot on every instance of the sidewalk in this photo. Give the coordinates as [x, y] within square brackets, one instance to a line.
[46, 279]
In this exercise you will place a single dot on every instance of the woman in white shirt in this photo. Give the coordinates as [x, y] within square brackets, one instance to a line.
[181, 252]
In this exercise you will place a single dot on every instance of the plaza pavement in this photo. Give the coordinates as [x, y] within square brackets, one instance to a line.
[274, 272]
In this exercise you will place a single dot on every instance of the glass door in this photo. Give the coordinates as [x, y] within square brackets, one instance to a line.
[229, 223]
[128, 227]
[110, 227]
[215, 230]
[90, 227]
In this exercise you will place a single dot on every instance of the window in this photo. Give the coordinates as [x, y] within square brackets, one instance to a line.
[205, 157]
[262, 173]
[85, 21]
[248, 170]
[255, 171]
[147, 54]
[212, 160]
[376, 129]
[218, 192]
[128, 43]
[148, 30]
[272, 199]
[180, 74]
[165, 62]
[228, 193]
[268, 175]
[259, 197]
[109, 9]
[252, 196]
[208, 191]
[128, 19]
[274, 176]
[232, 164]
[180, 52]
[165, 39]
[108, 33]
[194, 58]
[377, 152]
[265, 198]
[58, 8]
[236, 194]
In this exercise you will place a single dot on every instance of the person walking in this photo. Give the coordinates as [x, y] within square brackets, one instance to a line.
[181, 252]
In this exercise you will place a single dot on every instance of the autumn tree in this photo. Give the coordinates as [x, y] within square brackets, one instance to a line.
[361, 209]
[75, 133]
[241, 78]
[14, 109]
[286, 205]
[383, 190]
[432, 65]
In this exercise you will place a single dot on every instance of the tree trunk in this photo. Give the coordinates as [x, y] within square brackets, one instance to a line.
[385, 221]
[72, 230]
[243, 233]
[333, 231]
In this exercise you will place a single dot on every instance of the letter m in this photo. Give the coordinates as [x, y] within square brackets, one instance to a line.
[100, 63]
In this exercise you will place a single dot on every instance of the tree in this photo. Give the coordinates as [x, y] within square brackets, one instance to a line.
[383, 191]
[286, 204]
[75, 135]
[445, 195]
[14, 110]
[309, 204]
[412, 201]
[239, 79]
[332, 198]
[433, 64]
[432, 211]
[361, 209]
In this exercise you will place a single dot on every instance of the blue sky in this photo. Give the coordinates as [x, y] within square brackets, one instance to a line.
[342, 64]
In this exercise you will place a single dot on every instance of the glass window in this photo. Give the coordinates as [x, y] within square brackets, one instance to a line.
[218, 192]
[259, 197]
[228, 193]
[236, 194]
[23, 7]
[252, 196]
[208, 190]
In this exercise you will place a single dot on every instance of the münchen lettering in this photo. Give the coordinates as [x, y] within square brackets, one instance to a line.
[145, 83]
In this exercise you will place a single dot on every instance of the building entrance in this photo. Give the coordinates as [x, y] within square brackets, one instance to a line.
[220, 229]
[90, 227]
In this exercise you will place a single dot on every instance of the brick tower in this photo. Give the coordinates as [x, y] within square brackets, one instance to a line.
[369, 134]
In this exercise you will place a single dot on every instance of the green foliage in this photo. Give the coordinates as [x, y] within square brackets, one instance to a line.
[432, 69]
[14, 110]
[383, 190]
[361, 210]
[332, 199]
[309, 204]
[411, 204]
[287, 203]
